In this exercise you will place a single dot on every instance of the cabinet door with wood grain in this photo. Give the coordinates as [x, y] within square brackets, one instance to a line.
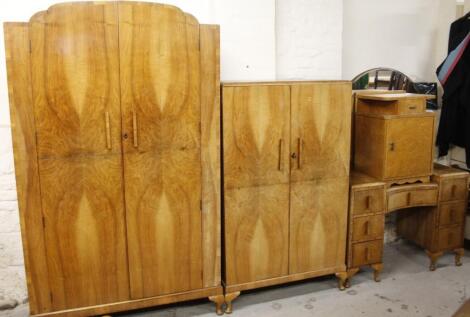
[256, 159]
[160, 93]
[320, 130]
[318, 225]
[256, 135]
[75, 80]
[75, 89]
[320, 145]
[409, 146]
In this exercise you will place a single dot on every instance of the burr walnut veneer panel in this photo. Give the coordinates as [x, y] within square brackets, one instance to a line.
[286, 179]
[119, 210]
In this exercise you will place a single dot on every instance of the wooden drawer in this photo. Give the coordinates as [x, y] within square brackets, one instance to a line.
[368, 228]
[450, 238]
[368, 201]
[367, 253]
[452, 213]
[411, 196]
[390, 104]
[453, 189]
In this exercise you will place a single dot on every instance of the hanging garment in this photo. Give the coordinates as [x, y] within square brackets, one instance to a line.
[454, 75]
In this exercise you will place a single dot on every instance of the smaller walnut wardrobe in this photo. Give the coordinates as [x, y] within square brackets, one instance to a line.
[115, 122]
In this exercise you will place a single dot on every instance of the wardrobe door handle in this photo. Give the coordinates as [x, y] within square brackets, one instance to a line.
[392, 146]
[452, 192]
[281, 143]
[368, 202]
[134, 129]
[108, 130]
[299, 150]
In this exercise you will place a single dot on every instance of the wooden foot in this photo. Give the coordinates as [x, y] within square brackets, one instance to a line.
[377, 269]
[228, 301]
[433, 256]
[219, 301]
[351, 273]
[458, 256]
[342, 277]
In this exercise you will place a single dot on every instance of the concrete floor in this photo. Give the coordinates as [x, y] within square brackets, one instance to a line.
[407, 288]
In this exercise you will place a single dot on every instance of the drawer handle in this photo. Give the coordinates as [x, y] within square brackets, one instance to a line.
[392, 146]
[408, 199]
[367, 228]
[412, 107]
[281, 143]
[367, 255]
[452, 191]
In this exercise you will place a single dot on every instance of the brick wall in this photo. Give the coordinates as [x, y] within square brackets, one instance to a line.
[12, 281]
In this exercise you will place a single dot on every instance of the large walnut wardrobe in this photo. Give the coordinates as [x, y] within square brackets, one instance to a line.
[115, 120]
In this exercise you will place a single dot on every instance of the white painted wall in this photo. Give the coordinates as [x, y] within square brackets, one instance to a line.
[309, 39]
[408, 35]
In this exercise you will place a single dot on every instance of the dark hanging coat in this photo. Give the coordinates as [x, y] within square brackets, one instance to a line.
[454, 124]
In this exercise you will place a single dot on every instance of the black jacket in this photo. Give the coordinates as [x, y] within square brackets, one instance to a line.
[454, 125]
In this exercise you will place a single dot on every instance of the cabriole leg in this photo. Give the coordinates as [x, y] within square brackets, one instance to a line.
[458, 256]
[433, 256]
[342, 277]
[219, 301]
[228, 301]
[377, 269]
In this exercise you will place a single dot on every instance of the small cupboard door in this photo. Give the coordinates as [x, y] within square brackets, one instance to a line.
[409, 145]
[160, 93]
[256, 135]
[318, 224]
[75, 86]
[256, 158]
[320, 130]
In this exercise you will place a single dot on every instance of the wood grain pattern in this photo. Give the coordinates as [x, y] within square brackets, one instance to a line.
[410, 145]
[210, 154]
[87, 60]
[414, 195]
[136, 303]
[318, 224]
[83, 208]
[394, 147]
[75, 79]
[256, 123]
[256, 233]
[160, 77]
[369, 145]
[160, 95]
[26, 165]
[163, 222]
[320, 130]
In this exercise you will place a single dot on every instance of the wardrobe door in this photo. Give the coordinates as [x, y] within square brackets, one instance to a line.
[320, 142]
[160, 93]
[256, 174]
[75, 86]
